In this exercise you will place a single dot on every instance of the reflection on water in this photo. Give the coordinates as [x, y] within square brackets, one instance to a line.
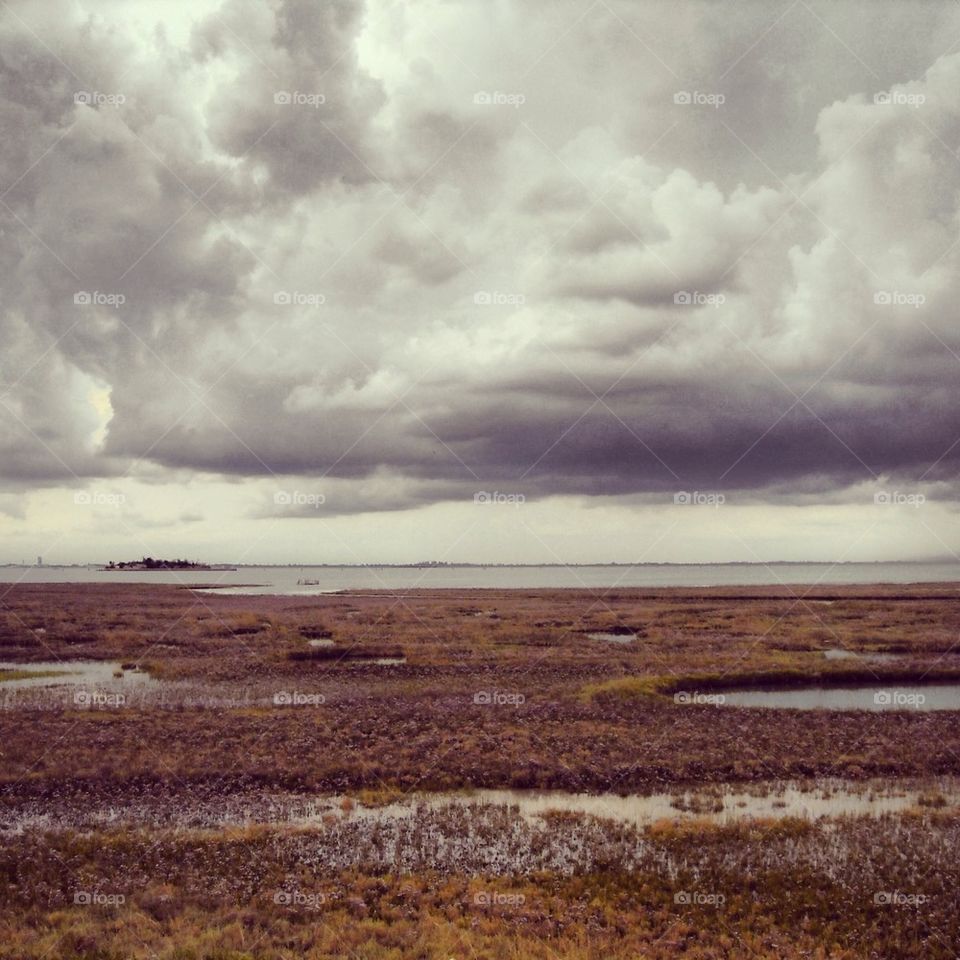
[716, 803]
[74, 673]
[838, 653]
[613, 637]
[722, 803]
[937, 696]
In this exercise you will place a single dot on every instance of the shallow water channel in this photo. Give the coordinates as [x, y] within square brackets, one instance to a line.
[720, 804]
[73, 673]
[876, 697]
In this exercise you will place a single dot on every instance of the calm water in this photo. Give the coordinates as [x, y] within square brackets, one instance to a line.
[284, 579]
[74, 673]
[719, 803]
[723, 804]
[613, 637]
[934, 696]
[840, 654]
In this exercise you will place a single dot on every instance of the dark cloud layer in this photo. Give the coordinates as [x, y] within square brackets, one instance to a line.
[299, 265]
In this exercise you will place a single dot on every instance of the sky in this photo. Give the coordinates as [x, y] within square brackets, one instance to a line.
[490, 281]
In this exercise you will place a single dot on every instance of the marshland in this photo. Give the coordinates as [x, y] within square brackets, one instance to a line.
[477, 773]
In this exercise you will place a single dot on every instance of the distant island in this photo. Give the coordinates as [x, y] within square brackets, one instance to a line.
[150, 563]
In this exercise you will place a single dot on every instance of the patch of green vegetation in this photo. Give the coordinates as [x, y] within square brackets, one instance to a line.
[624, 687]
[787, 678]
[14, 674]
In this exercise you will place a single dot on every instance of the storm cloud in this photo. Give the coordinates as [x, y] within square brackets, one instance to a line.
[411, 252]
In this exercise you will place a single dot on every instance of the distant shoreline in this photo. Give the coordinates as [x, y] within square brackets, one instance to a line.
[468, 566]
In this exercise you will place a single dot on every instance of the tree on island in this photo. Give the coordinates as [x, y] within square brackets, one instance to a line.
[149, 563]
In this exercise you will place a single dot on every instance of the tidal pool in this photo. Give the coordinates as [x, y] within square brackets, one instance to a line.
[876, 697]
[838, 653]
[73, 673]
[613, 637]
[718, 803]
[723, 803]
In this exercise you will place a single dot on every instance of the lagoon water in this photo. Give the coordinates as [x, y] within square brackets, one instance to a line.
[283, 580]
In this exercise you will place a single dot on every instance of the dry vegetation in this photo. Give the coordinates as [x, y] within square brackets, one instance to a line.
[496, 689]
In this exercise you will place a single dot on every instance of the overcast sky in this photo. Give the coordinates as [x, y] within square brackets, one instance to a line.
[291, 280]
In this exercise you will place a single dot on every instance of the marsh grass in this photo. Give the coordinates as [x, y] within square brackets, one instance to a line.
[594, 717]
[26, 674]
[486, 879]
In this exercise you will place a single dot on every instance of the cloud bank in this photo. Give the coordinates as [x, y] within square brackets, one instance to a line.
[408, 254]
